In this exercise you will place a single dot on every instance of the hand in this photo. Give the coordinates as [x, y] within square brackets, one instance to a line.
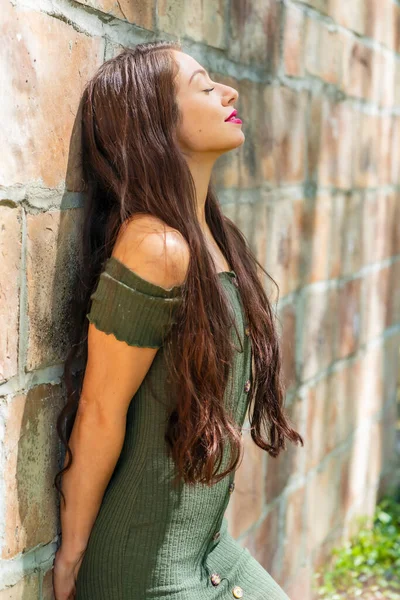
[65, 573]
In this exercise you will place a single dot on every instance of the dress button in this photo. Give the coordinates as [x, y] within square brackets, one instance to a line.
[215, 579]
[247, 330]
[235, 281]
[247, 386]
[237, 592]
[231, 487]
[216, 535]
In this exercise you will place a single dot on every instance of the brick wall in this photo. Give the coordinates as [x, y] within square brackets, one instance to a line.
[315, 189]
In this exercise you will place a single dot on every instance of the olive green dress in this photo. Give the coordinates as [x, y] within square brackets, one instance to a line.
[152, 539]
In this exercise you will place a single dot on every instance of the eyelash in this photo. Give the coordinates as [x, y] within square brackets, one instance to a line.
[210, 90]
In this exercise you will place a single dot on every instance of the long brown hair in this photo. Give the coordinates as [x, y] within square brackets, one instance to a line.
[132, 164]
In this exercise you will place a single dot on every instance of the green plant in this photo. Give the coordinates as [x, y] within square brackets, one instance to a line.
[370, 561]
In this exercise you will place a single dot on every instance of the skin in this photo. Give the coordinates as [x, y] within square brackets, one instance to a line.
[203, 135]
[160, 255]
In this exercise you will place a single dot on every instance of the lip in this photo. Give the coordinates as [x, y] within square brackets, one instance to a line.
[232, 116]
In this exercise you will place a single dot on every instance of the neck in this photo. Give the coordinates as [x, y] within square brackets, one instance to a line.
[201, 173]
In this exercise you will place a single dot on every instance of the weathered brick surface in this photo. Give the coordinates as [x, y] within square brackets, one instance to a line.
[282, 135]
[284, 242]
[10, 281]
[254, 32]
[201, 21]
[32, 458]
[40, 98]
[51, 244]
[139, 13]
[247, 499]
[315, 191]
[294, 43]
[28, 587]
[318, 330]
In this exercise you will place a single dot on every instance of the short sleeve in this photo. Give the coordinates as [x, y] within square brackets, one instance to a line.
[135, 310]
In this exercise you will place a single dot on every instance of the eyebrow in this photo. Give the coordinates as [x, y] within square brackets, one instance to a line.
[195, 73]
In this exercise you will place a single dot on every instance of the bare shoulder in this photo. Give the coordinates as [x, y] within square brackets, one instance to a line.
[152, 249]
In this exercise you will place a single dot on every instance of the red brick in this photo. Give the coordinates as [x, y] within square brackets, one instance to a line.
[264, 543]
[288, 344]
[31, 508]
[284, 238]
[40, 115]
[323, 406]
[384, 78]
[139, 13]
[28, 587]
[323, 51]
[281, 469]
[361, 468]
[321, 5]
[245, 505]
[316, 225]
[349, 318]
[255, 29]
[282, 135]
[301, 586]
[245, 220]
[393, 307]
[391, 368]
[47, 586]
[375, 291]
[344, 391]
[357, 67]
[347, 234]
[293, 55]
[395, 171]
[294, 542]
[323, 515]
[380, 23]
[371, 397]
[10, 251]
[387, 152]
[380, 227]
[350, 15]
[260, 225]
[330, 143]
[319, 330]
[51, 267]
[365, 159]
[385, 431]
[323, 553]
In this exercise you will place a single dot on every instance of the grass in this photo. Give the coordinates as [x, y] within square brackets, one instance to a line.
[368, 566]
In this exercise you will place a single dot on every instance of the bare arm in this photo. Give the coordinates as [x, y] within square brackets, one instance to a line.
[109, 385]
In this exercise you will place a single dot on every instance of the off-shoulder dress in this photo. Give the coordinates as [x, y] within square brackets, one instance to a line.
[153, 540]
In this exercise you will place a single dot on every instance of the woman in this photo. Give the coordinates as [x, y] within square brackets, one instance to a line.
[180, 342]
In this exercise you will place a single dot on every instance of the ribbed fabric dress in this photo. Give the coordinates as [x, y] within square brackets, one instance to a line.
[153, 539]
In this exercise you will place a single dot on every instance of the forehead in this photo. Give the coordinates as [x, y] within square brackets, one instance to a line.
[187, 65]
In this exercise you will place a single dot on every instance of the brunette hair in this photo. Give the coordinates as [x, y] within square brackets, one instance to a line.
[132, 164]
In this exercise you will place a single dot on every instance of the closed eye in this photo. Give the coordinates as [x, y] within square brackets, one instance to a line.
[210, 90]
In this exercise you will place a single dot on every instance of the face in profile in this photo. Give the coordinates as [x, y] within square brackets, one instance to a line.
[205, 106]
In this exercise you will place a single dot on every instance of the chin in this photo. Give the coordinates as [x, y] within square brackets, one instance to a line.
[234, 143]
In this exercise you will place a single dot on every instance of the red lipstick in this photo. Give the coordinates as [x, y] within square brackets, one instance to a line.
[232, 118]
